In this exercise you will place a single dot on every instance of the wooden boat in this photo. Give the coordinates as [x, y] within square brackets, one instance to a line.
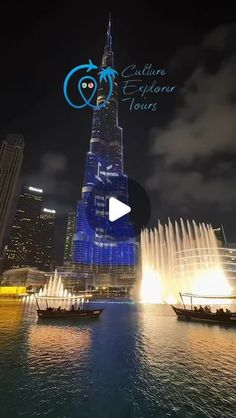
[60, 313]
[69, 314]
[205, 315]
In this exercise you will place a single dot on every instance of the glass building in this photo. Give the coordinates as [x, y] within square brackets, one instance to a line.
[45, 230]
[104, 246]
[31, 239]
[11, 157]
[220, 234]
[70, 230]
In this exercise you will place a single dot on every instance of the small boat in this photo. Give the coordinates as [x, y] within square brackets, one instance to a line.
[69, 314]
[73, 312]
[205, 314]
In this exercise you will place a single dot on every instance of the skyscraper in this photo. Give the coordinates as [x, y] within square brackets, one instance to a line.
[70, 230]
[220, 234]
[46, 228]
[11, 157]
[22, 248]
[30, 242]
[96, 245]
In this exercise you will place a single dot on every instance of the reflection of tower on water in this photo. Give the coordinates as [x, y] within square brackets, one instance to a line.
[180, 257]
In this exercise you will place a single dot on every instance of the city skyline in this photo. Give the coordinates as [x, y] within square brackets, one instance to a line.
[60, 140]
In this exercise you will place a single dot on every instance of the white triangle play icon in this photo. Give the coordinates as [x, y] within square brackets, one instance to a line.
[117, 209]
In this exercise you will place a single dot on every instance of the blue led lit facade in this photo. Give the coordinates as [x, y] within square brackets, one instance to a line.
[104, 243]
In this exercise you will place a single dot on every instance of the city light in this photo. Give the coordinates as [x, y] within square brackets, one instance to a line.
[35, 189]
[49, 210]
[13, 290]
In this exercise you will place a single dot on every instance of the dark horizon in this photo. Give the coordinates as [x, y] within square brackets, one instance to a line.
[183, 153]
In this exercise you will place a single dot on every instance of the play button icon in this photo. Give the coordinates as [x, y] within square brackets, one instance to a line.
[117, 209]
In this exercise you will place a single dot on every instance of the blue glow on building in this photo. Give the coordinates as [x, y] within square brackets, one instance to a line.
[104, 243]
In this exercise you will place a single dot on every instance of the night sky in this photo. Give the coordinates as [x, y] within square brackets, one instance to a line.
[184, 153]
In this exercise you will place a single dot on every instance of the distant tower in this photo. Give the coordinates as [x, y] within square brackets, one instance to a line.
[11, 157]
[30, 242]
[70, 230]
[46, 228]
[220, 234]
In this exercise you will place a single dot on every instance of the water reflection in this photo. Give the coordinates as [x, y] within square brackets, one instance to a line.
[57, 343]
[136, 361]
[182, 365]
[11, 315]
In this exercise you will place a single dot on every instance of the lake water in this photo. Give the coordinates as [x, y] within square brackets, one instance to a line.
[135, 361]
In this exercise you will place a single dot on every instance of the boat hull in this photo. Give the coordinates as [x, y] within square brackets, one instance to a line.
[190, 315]
[76, 314]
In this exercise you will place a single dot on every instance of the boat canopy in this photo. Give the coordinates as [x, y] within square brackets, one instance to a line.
[191, 295]
[63, 297]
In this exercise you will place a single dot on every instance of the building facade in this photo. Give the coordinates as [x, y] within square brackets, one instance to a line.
[31, 238]
[104, 248]
[30, 278]
[220, 234]
[46, 228]
[70, 230]
[11, 157]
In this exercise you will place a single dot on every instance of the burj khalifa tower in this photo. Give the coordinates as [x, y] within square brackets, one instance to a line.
[99, 244]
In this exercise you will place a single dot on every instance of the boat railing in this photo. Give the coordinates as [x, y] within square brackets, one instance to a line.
[192, 296]
[80, 299]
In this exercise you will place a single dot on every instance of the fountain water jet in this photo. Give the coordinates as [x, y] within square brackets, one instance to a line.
[180, 258]
[54, 289]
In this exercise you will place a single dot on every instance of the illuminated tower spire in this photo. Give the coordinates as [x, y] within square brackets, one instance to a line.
[107, 59]
[109, 38]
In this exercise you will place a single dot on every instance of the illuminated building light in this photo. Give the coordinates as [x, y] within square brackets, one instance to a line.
[32, 233]
[12, 290]
[35, 189]
[49, 210]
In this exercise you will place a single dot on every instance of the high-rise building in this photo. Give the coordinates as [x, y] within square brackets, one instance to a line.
[30, 242]
[70, 230]
[11, 157]
[22, 249]
[46, 228]
[220, 234]
[96, 247]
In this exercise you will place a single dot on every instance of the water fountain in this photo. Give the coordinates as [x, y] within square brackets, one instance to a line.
[180, 257]
[54, 289]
